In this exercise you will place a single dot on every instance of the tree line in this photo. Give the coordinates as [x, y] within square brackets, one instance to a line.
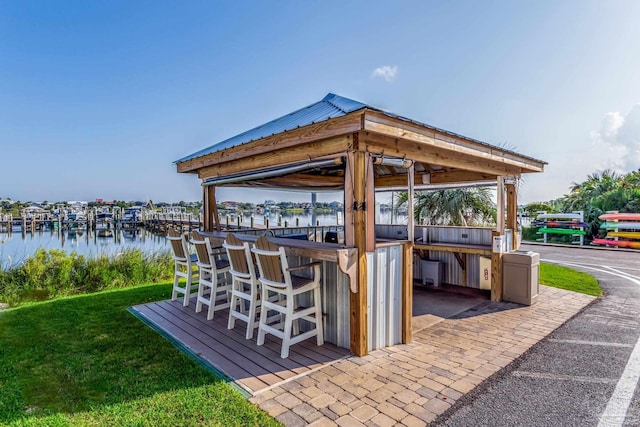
[601, 192]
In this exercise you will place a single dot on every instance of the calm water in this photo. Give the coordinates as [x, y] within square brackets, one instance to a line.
[17, 246]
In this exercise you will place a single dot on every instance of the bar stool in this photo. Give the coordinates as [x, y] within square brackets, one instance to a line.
[213, 277]
[276, 277]
[245, 286]
[184, 266]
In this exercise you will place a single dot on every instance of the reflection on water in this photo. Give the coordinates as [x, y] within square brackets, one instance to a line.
[16, 247]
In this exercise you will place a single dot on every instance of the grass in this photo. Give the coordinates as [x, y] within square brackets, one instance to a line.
[85, 360]
[566, 278]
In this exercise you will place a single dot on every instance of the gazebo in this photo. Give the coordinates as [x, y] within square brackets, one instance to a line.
[341, 144]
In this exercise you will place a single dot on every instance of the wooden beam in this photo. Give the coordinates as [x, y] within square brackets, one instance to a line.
[407, 292]
[496, 256]
[370, 205]
[414, 150]
[306, 180]
[214, 208]
[396, 180]
[210, 208]
[496, 273]
[455, 248]
[383, 124]
[512, 214]
[441, 177]
[445, 177]
[349, 198]
[279, 157]
[411, 223]
[500, 205]
[301, 136]
[206, 226]
[358, 301]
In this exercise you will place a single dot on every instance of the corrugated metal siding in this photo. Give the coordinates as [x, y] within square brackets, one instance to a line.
[335, 301]
[392, 231]
[384, 299]
[452, 271]
[329, 107]
[335, 305]
[474, 235]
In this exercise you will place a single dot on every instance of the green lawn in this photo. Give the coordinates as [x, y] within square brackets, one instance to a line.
[86, 361]
[569, 279]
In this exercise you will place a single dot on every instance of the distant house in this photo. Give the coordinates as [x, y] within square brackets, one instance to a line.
[33, 209]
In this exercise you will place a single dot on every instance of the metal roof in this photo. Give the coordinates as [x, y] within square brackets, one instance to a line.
[329, 107]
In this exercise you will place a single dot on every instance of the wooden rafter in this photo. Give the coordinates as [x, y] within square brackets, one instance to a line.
[417, 151]
[443, 177]
[380, 123]
[334, 146]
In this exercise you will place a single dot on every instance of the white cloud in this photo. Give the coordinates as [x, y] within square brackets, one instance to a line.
[387, 72]
[615, 145]
[618, 140]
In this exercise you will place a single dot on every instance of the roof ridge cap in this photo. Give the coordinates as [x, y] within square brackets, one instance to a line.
[328, 98]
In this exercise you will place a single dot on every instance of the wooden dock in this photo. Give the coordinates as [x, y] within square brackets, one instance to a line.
[157, 222]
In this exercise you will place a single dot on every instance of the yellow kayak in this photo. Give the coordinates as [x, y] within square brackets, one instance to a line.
[624, 234]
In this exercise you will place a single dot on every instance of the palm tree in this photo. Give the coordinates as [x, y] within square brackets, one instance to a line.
[460, 206]
[601, 192]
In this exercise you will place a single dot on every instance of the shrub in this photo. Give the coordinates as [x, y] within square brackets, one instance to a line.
[54, 273]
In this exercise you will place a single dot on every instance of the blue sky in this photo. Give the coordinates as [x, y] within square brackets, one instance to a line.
[97, 99]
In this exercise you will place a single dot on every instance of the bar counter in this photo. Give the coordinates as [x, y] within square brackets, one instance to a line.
[296, 247]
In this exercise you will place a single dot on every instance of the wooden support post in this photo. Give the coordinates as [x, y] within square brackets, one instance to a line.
[512, 214]
[358, 301]
[496, 255]
[411, 223]
[214, 221]
[496, 273]
[348, 201]
[407, 292]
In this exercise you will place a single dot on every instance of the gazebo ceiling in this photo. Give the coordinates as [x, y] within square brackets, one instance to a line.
[330, 177]
[334, 126]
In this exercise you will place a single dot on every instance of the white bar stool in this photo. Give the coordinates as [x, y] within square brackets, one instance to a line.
[213, 285]
[184, 266]
[276, 277]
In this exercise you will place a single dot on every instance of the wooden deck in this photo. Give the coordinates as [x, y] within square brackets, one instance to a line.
[251, 367]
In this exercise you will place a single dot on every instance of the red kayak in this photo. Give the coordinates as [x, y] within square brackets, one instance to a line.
[617, 243]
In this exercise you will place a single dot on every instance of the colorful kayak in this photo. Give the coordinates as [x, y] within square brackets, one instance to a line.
[617, 243]
[621, 225]
[564, 231]
[554, 216]
[620, 217]
[560, 224]
[624, 234]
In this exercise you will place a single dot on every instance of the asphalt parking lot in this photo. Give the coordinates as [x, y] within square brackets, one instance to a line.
[586, 372]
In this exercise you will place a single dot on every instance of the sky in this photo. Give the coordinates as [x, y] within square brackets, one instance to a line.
[97, 99]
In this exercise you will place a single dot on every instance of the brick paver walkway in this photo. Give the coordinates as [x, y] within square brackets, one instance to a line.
[411, 384]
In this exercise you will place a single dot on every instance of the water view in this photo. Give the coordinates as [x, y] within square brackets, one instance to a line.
[17, 246]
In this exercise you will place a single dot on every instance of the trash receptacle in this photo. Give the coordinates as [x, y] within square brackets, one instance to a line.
[431, 271]
[520, 277]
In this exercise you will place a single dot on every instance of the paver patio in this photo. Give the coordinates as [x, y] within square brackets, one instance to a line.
[412, 384]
